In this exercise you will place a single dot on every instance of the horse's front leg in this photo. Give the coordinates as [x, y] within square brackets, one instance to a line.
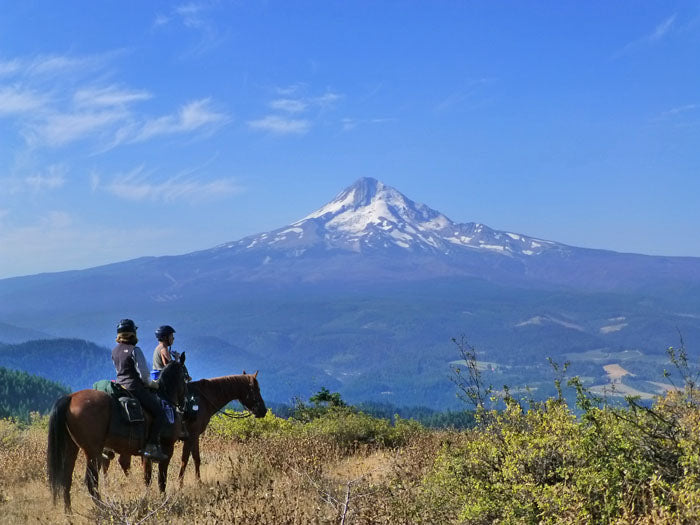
[147, 470]
[195, 457]
[186, 449]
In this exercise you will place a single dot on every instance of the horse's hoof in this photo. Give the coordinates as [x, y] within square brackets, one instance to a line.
[108, 454]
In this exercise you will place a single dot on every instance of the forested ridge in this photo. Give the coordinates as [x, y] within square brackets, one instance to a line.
[22, 393]
[74, 362]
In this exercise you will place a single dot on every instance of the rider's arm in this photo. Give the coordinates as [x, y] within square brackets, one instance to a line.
[142, 367]
[164, 355]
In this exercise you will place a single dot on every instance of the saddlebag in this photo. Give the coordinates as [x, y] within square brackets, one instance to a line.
[132, 409]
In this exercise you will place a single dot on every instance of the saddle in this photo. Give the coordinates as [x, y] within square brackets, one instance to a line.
[130, 421]
[129, 407]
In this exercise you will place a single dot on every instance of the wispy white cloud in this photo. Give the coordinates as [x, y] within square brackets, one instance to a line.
[190, 14]
[680, 115]
[140, 184]
[471, 92]
[292, 89]
[191, 117]
[51, 181]
[289, 105]
[348, 124]
[54, 177]
[294, 102]
[197, 17]
[279, 125]
[9, 67]
[664, 28]
[58, 129]
[161, 20]
[326, 100]
[54, 65]
[69, 106]
[680, 110]
[109, 96]
[16, 100]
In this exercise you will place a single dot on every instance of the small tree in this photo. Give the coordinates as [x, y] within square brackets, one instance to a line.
[322, 402]
[468, 379]
[326, 398]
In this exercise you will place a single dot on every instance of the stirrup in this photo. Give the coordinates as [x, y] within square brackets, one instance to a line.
[154, 454]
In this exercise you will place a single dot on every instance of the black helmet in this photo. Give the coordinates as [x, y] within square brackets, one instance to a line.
[126, 325]
[164, 331]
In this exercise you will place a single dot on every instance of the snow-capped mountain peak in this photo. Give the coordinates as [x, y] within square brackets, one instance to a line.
[369, 203]
[370, 216]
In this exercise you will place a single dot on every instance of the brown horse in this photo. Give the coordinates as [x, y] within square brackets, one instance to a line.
[81, 420]
[213, 395]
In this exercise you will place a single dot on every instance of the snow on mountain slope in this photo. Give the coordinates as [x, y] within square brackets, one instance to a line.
[370, 216]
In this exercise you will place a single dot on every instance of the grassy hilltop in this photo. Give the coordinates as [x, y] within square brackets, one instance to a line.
[533, 462]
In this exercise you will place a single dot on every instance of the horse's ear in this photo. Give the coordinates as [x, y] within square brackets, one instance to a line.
[182, 358]
[256, 373]
[243, 371]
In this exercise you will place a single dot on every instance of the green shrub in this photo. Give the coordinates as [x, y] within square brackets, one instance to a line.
[542, 465]
[340, 425]
[233, 425]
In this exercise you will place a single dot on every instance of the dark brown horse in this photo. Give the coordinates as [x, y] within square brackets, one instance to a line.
[213, 395]
[81, 420]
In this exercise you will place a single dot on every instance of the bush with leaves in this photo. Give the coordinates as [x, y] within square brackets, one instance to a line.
[542, 464]
[327, 417]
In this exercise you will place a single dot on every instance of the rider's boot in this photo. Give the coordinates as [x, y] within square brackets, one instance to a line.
[154, 453]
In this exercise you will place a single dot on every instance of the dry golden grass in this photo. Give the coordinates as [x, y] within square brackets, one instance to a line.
[281, 480]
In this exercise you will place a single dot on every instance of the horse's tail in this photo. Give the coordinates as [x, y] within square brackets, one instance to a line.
[56, 452]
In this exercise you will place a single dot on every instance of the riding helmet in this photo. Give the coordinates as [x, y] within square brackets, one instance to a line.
[164, 331]
[126, 325]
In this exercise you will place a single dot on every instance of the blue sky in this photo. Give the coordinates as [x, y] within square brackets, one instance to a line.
[143, 128]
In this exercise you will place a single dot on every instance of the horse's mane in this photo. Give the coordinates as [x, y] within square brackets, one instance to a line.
[168, 376]
[221, 389]
[168, 371]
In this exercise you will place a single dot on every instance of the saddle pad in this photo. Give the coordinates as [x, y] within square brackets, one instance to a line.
[110, 387]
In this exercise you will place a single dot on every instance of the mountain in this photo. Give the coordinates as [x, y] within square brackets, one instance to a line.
[15, 334]
[363, 296]
[72, 362]
[372, 232]
[369, 217]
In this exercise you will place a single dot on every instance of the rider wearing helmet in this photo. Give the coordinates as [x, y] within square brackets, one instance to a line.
[164, 353]
[132, 374]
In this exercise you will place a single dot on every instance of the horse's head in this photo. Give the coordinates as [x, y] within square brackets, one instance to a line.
[252, 399]
[173, 381]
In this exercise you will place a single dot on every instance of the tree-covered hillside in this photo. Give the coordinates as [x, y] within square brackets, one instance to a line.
[72, 362]
[22, 393]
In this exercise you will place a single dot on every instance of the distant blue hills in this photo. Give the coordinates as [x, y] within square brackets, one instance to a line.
[363, 296]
